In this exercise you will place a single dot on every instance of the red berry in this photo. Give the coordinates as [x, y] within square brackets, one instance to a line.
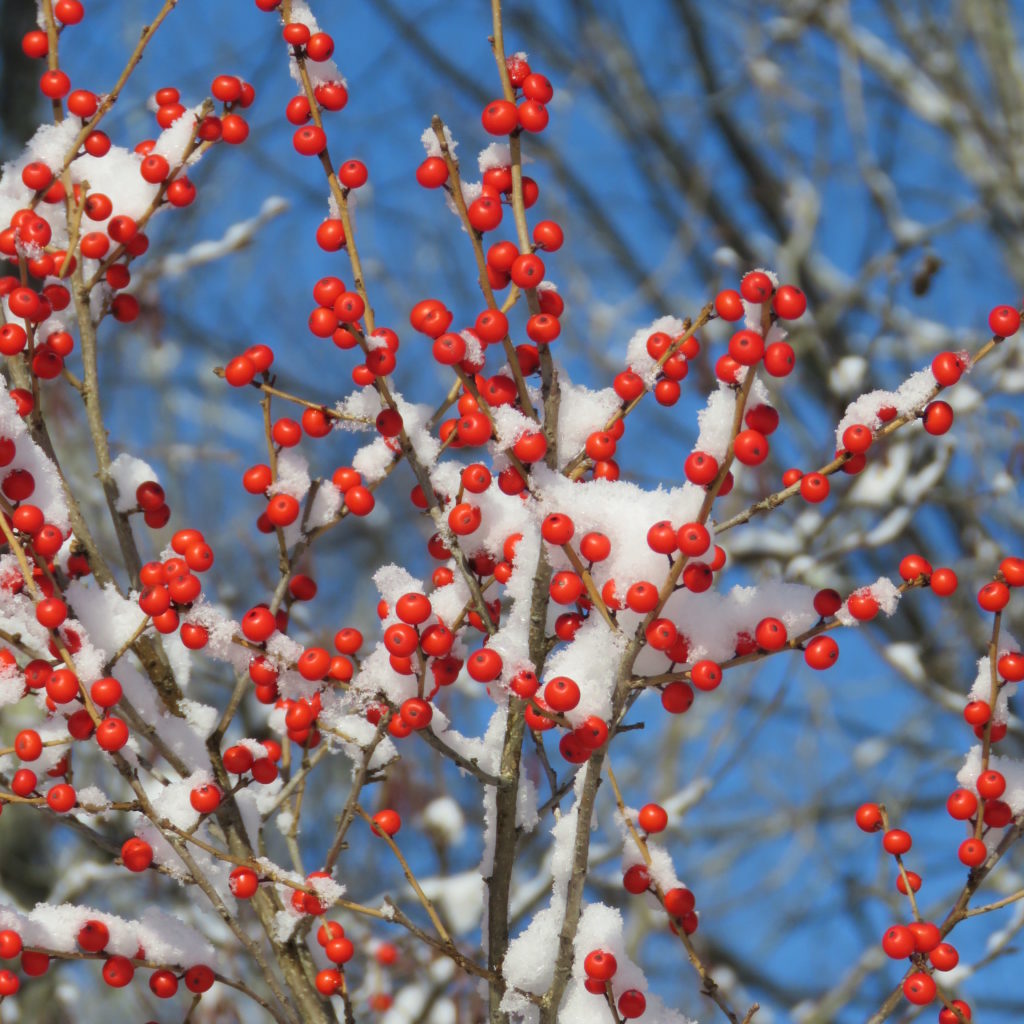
[484, 665]
[155, 168]
[729, 305]
[961, 804]
[1011, 666]
[857, 438]
[205, 798]
[862, 606]
[652, 818]
[938, 417]
[947, 368]
[61, 798]
[913, 878]
[28, 745]
[243, 882]
[10, 944]
[821, 653]
[972, 852]
[319, 47]
[706, 675]
[746, 347]
[432, 173]
[993, 597]
[912, 566]
[557, 529]
[990, 785]
[896, 841]
[944, 956]
[779, 359]
[926, 935]
[948, 1016]
[599, 964]
[1013, 571]
[827, 602]
[34, 964]
[919, 988]
[111, 734]
[561, 694]
[642, 597]
[763, 418]
[199, 978]
[118, 971]
[93, 936]
[331, 95]
[309, 140]
[869, 817]
[814, 487]
[136, 854]
[997, 814]
[770, 634]
[756, 286]
[1004, 321]
[386, 822]
[636, 879]
[677, 698]
[163, 984]
[789, 302]
[632, 1003]
[54, 85]
[34, 44]
[700, 468]
[898, 942]
[500, 117]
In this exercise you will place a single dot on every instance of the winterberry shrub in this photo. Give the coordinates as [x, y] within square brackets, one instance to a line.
[182, 734]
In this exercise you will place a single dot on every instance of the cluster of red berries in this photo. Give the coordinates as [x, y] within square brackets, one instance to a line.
[230, 127]
[54, 83]
[920, 941]
[339, 950]
[981, 808]
[936, 418]
[600, 968]
[328, 95]
[503, 117]
[171, 587]
[28, 237]
[337, 316]
[240, 760]
[467, 350]
[600, 965]
[751, 347]
[28, 521]
[315, 664]
[118, 971]
[152, 503]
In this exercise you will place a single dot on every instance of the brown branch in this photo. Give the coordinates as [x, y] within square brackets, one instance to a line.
[478, 251]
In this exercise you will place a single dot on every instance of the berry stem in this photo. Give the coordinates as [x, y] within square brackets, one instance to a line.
[52, 54]
[773, 501]
[306, 403]
[109, 98]
[709, 986]
[574, 468]
[459, 200]
[993, 696]
[411, 879]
